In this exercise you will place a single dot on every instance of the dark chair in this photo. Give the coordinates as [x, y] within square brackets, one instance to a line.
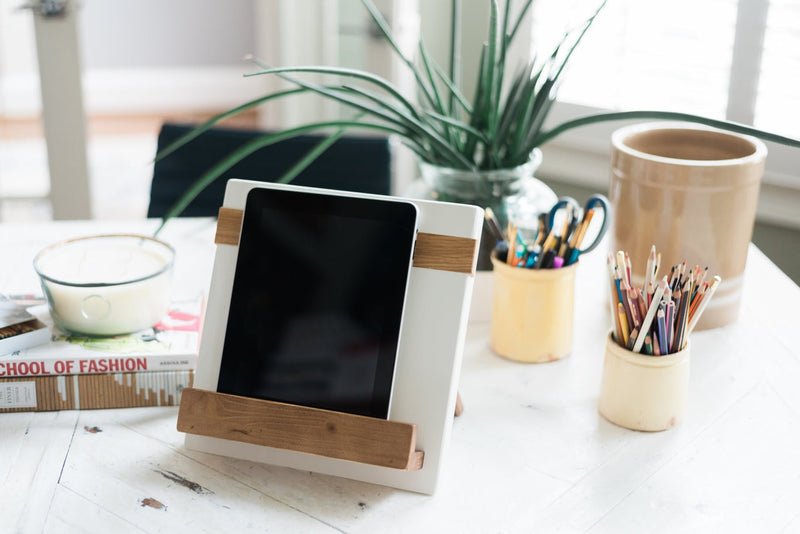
[361, 164]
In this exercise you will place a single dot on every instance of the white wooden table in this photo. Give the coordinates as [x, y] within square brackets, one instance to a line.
[530, 454]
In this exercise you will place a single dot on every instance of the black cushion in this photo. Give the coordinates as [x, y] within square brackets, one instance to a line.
[361, 164]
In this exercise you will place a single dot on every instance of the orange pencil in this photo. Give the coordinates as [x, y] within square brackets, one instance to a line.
[512, 239]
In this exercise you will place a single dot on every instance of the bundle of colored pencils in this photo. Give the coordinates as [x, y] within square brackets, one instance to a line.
[657, 318]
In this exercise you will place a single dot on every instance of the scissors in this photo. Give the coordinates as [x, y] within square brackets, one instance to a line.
[575, 215]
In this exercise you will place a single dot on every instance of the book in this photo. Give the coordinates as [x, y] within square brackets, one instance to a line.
[97, 391]
[19, 329]
[170, 345]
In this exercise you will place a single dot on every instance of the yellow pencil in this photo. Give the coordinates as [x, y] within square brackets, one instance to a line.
[623, 322]
[582, 229]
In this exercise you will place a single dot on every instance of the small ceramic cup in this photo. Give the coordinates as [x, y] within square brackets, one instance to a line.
[643, 392]
[532, 313]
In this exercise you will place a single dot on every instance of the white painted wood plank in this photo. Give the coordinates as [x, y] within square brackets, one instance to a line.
[530, 453]
[740, 476]
[32, 467]
[69, 512]
[14, 427]
[769, 302]
[727, 365]
[460, 505]
[148, 484]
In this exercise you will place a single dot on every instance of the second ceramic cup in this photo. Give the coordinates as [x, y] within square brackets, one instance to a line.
[532, 314]
[644, 392]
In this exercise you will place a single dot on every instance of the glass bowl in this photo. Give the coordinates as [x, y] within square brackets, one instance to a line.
[106, 285]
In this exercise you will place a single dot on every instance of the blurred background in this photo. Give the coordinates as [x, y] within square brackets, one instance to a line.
[85, 86]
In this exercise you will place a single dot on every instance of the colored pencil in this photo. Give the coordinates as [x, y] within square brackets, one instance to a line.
[657, 318]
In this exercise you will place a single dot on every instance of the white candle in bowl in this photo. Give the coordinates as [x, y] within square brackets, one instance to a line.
[106, 285]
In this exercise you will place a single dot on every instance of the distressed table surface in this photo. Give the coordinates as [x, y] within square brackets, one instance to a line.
[530, 454]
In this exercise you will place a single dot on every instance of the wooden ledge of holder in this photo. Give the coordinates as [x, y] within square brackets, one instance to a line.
[311, 430]
[431, 251]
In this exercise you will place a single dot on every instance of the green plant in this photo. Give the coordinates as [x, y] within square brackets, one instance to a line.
[498, 129]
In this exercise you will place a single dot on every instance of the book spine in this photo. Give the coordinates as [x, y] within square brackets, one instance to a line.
[17, 366]
[89, 392]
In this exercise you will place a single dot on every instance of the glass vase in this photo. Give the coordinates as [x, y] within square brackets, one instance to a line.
[513, 194]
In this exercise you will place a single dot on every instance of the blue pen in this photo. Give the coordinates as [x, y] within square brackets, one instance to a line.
[533, 255]
[573, 257]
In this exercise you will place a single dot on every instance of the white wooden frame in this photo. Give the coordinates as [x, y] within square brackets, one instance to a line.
[428, 362]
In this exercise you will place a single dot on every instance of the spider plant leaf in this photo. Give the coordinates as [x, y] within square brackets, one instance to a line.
[513, 107]
[383, 26]
[583, 29]
[480, 102]
[426, 132]
[477, 117]
[182, 140]
[504, 32]
[495, 81]
[520, 17]
[735, 127]
[245, 150]
[549, 90]
[541, 108]
[421, 152]
[455, 50]
[447, 151]
[340, 71]
[411, 124]
[531, 92]
[313, 154]
[454, 92]
[431, 68]
[459, 126]
[426, 63]
[546, 90]
[439, 106]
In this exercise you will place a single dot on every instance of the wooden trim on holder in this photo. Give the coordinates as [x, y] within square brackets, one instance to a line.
[445, 253]
[432, 251]
[229, 225]
[310, 430]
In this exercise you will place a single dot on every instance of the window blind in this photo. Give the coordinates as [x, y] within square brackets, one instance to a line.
[777, 106]
[732, 59]
[645, 54]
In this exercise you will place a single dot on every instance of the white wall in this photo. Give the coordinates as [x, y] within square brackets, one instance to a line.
[155, 33]
[139, 56]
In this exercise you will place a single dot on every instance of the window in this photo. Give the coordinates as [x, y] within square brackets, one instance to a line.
[734, 59]
[777, 105]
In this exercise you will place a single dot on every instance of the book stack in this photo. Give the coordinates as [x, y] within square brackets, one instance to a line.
[19, 329]
[71, 372]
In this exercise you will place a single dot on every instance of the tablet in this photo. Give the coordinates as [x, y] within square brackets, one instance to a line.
[317, 302]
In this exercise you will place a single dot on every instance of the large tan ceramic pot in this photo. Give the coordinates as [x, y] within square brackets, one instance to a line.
[692, 191]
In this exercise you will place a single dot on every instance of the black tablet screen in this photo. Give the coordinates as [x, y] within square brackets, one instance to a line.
[317, 300]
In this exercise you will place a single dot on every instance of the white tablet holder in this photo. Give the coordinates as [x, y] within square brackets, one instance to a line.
[405, 451]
